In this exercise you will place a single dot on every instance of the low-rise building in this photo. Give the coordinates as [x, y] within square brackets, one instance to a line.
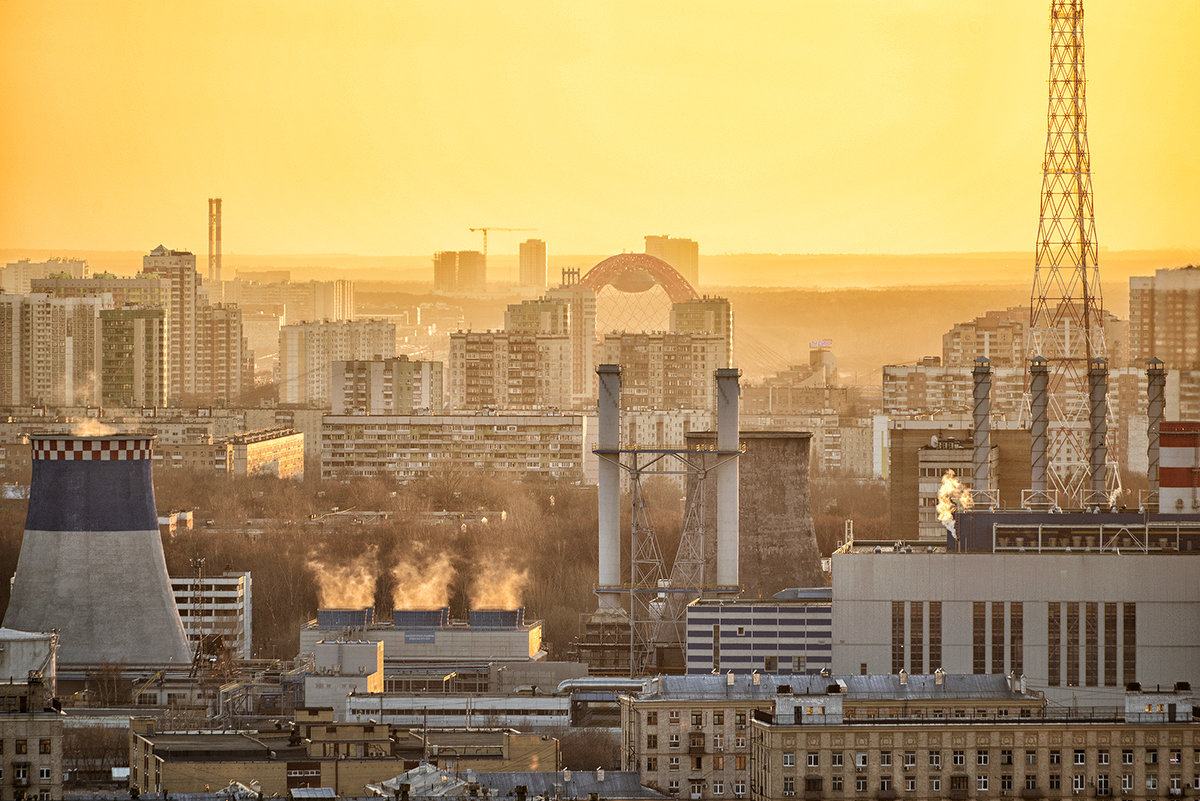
[31, 731]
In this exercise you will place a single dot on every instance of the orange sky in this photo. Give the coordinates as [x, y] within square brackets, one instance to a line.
[390, 127]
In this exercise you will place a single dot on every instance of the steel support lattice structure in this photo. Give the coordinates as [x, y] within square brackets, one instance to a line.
[1066, 318]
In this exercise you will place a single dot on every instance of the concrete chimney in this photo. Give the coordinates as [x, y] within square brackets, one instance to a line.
[1098, 424]
[91, 563]
[1039, 399]
[1156, 387]
[982, 479]
[728, 392]
[609, 490]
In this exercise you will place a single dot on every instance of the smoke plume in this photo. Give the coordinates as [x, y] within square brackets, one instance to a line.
[499, 586]
[92, 428]
[349, 585]
[952, 497]
[423, 581]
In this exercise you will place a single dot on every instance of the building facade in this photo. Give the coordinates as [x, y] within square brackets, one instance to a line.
[664, 370]
[1164, 318]
[387, 386]
[307, 352]
[532, 264]
[217, 605]
[17, 277]
[682, 254]
[133, 366]
[770, 635]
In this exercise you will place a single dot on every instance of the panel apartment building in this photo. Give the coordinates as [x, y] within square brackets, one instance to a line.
[307, 352]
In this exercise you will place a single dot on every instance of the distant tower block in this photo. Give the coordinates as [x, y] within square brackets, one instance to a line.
[214, 240]
[91, 562]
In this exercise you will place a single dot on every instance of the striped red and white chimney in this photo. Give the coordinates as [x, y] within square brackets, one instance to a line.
[1179, 467]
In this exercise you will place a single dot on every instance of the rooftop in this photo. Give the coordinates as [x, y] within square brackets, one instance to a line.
[878, 687]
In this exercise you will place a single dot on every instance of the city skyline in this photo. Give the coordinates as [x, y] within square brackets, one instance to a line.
[790, 128]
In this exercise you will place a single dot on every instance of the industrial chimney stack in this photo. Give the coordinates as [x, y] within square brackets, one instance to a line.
[609, 489]
[91, 563]
[981, 480]
[728, 392]
[1039, 386]
[1098, 425]
[1156, 388]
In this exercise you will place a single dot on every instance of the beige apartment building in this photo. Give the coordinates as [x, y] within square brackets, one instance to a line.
[31, 743]
[308, 351]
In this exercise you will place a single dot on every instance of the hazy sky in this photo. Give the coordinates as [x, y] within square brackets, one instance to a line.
[390, 127]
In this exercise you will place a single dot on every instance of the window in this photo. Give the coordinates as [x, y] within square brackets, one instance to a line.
[1102, 757]
[910, 785]
[673, 763]
[1151, 782]
[814, 759]
[739, 788]
[673, 716]
[835, 783]
[718, 742]
[44, 774]
[789, 759]
[719, 717]
[860, 759]
[981, 782]
[651, 741]
[1055, 781]
[651, 718]
[958, 783]
[1078, 782]
[1151, 756]
[44, 748]
[697, 717]
[1006, 756]
[673, 786]
[673, 741]
[860, 785]
[885, 758]
[696, 740]
[697, 789]
[935, 760]
[789, 785]
[1031, 781]
[910, 760]
[718, 787]
[1127, 757]
[1080, 756]
[739, 741]
[1176, 754]
[958, 758]
[697, 763]
[1127, 783]
[739, 719]
[1102, 784]
[20, 747]
[719, 762]
[835, 759]
[1031, 758]
[1055, 757]
[651, 764]
[1006, 782]
[739, 762]
[885, 783]
[813, 784]
[981, 757]
[935, 785]
[21, 773]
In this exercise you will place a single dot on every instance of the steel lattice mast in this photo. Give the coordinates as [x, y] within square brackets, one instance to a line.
[1066, 324]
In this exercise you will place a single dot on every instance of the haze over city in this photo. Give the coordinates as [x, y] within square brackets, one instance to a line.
[625, 401]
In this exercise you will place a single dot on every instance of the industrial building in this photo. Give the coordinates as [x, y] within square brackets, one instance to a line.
[1079, 626]
[430, 637]
[790, 633]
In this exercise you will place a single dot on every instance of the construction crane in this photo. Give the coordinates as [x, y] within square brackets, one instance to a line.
[487, 228]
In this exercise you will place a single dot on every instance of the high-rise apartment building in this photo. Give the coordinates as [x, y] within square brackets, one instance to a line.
[217, 605]
[17, 276]
[51, 350]
[224, 361]
[509, 370]
[294, 302]
[386, 386]
[998, 335]
[142, 291]
[665, 370]
[682, 254]
[1164, 318]
[459, 271]
[581, 301]
[307, 352]
[533, 263]
[133, 362]
[707, 315]
[179, 268]
[445, 271]
[542, 316]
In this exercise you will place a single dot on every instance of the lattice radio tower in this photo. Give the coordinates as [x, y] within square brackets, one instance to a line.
[1066, 325]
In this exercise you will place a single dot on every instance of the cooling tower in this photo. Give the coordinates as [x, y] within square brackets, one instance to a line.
[91, 563]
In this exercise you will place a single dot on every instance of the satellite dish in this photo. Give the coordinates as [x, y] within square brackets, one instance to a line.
[933, 441]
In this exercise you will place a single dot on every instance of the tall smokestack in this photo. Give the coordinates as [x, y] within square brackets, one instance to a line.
[214, 242]
[91, 562]
[1098, 423]
[728, 392]
[1156, 388]
[609, 490]
[981, 480]
[1039, 385]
